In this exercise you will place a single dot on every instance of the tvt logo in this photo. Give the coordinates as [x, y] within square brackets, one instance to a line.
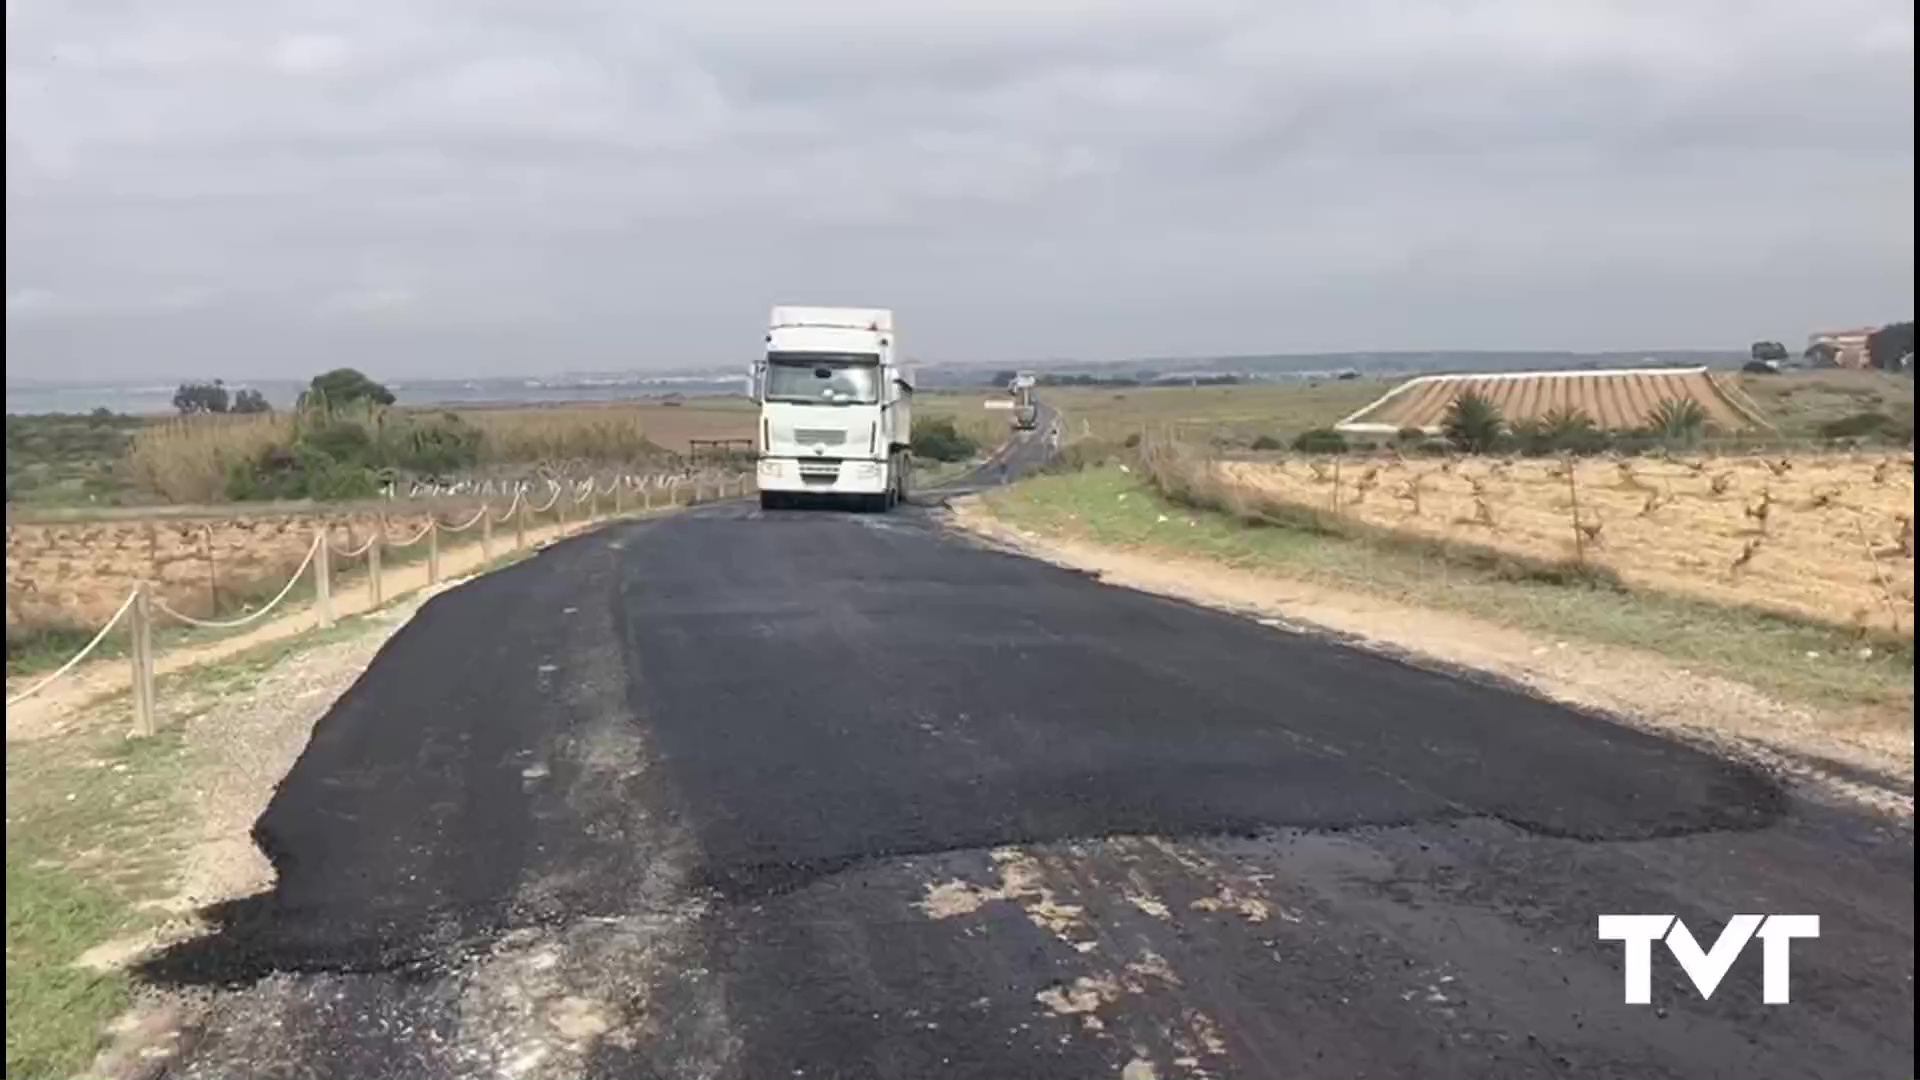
[1706, 967]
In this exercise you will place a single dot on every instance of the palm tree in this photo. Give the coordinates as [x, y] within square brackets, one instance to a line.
[1474, 423]
[1569, 429]
[1677, 420]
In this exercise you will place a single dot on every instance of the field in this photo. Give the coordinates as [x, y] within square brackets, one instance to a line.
[1226, 415]
[56, 460]
[109, 460]
[73, 573]
[1614, 401]
[76, 574]
[1802, 403]
[1826, 537]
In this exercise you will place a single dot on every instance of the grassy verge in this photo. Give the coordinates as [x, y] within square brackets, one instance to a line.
[1790, 658]
[94, 831]
[97, 828]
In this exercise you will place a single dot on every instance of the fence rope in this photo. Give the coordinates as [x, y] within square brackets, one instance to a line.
[417, 537]
[519, 496]
[160, 605]
[590, 485]
[471, 522]
[356, 552]
[125, 606]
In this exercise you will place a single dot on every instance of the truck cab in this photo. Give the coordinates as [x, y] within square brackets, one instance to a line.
[835, 409]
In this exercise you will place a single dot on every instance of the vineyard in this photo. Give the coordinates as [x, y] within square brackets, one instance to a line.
[1824, 536]
[73, 574]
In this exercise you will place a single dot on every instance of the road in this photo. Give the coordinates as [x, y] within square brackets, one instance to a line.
[821, 794]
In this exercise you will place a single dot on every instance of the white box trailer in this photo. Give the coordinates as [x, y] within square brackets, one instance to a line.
[836, 408]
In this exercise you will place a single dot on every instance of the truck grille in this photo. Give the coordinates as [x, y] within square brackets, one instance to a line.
[819, 436]
[819, 472]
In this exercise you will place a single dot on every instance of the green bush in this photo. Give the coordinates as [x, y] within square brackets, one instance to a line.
[1266, 442]
[1320, 441]
[939, 440]
[348, 453]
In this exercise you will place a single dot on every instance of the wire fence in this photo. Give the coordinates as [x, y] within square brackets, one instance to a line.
[575, 505]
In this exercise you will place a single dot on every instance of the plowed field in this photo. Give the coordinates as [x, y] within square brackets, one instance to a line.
[1616, 401]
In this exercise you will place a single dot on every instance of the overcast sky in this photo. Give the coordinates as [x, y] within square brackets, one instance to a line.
[442, 187]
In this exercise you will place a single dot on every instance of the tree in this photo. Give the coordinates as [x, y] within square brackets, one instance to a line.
[201, 397]
[344, 386]
[1474, 423]
[250, 401]
[1768, 352]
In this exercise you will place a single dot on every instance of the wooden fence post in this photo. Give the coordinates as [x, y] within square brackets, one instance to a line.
[374, 584]
[213, 574]
[646, 494]
[433, 549]
[486, 533]
[1573, 495]
[142, 630]
[323, 577]
[520, 526]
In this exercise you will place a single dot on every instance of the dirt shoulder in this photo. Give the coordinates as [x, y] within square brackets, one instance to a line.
[1862, 753]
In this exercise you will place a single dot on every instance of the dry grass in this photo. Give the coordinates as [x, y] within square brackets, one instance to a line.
[616, 432]
[1827, 537]
[187, 460]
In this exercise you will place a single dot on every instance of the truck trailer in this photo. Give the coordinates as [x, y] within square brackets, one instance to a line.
[836, 409]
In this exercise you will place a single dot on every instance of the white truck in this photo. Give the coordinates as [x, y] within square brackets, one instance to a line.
[836, 408]
[1026, 415]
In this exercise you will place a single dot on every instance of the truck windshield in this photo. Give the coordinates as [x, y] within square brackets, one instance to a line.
[823, 378]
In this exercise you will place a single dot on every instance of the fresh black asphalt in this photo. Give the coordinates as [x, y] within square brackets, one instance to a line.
[758, 742]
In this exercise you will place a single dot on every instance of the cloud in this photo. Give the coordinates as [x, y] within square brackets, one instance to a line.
[630, 185]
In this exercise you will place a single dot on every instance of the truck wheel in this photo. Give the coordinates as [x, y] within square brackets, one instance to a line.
[770, 500]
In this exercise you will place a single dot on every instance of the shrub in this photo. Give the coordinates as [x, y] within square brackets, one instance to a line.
[1320, 441]
[1266, 442]
[1860, 425]
[939, 440]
